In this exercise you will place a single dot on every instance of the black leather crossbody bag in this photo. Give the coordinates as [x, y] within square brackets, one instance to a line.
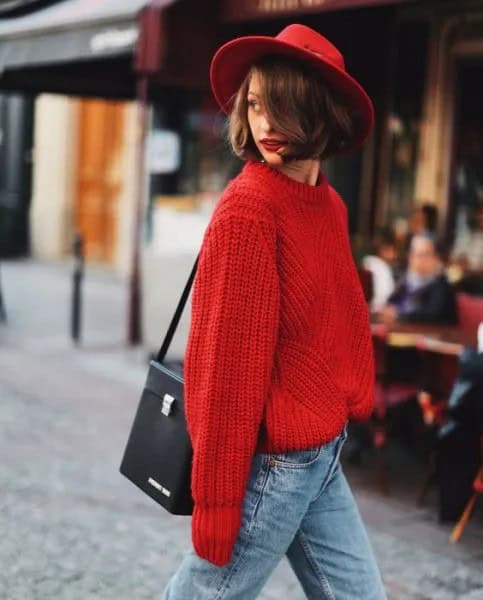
[158, 453]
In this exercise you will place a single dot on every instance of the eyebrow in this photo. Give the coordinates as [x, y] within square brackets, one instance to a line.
[253, 93]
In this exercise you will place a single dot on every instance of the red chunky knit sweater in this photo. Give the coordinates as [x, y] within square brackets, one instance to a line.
[279, 353]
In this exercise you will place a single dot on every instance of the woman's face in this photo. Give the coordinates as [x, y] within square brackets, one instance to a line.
[269, 143]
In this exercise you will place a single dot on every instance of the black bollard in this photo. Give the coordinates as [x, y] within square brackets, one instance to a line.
[76, 313]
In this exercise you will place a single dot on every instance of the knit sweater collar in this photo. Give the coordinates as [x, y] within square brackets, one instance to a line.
[304, 191]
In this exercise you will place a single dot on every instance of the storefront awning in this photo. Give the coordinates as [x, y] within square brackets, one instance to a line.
[38, 51]
[245, 10]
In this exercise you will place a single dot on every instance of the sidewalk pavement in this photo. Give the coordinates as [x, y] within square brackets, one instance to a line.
[73, 528]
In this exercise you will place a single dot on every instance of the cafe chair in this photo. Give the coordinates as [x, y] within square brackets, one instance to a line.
[438, 374]
[461, 524]
[397, 378]
[414, 382]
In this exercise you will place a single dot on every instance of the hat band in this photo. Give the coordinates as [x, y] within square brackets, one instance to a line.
[319, 54]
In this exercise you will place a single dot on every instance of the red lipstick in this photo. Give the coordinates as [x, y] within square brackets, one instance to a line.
[272, 144]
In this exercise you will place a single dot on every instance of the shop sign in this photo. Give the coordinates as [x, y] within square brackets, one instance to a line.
[240, 9]
[163, 151]
[113, 39]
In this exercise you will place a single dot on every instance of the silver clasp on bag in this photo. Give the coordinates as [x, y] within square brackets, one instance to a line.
[167, 404]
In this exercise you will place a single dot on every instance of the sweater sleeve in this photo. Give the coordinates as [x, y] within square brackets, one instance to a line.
[228, 365]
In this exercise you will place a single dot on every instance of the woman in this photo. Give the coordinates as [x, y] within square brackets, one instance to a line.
[279, 354]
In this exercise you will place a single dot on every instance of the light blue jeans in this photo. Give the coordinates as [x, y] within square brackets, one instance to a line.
[298, 504]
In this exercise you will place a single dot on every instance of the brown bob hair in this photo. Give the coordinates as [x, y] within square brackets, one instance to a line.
[299, 106]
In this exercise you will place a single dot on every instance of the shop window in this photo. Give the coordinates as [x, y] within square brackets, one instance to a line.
[188, 175]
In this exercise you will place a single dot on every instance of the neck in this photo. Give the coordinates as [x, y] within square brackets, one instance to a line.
[303, 171]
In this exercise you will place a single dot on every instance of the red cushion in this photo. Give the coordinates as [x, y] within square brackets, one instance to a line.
[478, 486]
[470, 311]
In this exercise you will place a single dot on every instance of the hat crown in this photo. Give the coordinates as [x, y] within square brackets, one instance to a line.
[309, 40]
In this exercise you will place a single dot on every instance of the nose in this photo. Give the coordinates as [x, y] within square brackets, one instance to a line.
[265, 124]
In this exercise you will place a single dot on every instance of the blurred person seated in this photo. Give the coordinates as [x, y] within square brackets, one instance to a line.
[424, 294]
[468, 247]
[379, 263]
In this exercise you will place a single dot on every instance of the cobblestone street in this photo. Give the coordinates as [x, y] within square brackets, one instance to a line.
[72, 528]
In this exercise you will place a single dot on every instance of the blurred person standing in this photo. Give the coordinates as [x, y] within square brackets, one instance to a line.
[468, 248]
[424, 294]
[279, 354]
[422, 221]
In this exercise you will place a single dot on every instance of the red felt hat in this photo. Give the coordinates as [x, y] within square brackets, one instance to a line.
[233, 60]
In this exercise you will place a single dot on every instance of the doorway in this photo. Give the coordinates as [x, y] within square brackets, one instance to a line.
[466, 191]
[99, 176]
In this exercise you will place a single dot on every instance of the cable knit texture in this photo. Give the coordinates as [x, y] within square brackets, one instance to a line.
[279, 352]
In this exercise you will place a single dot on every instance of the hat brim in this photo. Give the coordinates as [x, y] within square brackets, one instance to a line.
[234, 59]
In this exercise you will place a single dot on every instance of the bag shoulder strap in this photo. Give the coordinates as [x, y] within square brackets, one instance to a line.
[177, 315]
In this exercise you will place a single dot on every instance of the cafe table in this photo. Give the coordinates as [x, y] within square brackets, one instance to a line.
[445, 339]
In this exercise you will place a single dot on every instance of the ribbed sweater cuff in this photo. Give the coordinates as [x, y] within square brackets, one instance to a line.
[214, 531]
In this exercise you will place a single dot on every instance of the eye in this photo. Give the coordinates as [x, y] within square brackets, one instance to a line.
[254, 105]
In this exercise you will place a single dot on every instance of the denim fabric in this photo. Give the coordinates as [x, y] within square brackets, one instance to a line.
[298, 504]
